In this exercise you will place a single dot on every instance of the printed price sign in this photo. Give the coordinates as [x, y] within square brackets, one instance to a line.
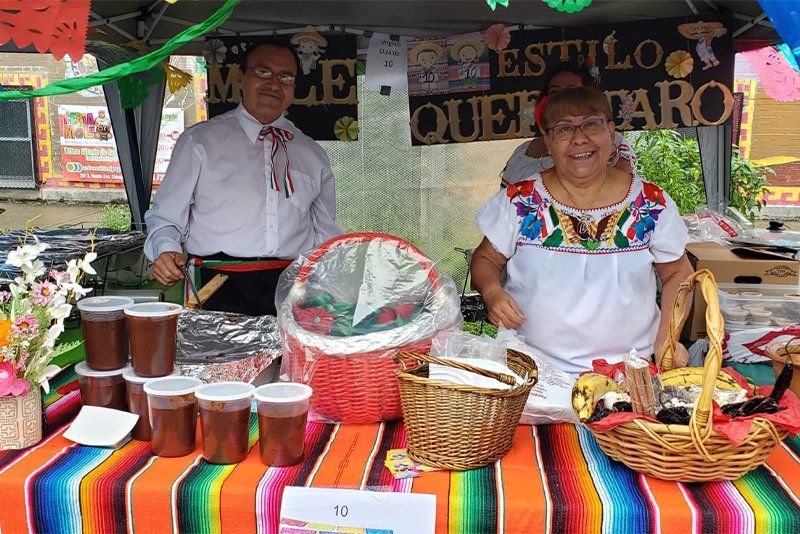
[386, 62]
[314, 510]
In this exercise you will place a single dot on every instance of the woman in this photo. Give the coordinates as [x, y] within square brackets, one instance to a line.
[531, 158]
[582, 244]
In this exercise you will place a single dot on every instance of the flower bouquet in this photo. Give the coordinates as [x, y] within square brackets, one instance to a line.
[32, 314]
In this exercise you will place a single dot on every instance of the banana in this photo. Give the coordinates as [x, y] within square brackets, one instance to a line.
[688, 376]
[587, 392]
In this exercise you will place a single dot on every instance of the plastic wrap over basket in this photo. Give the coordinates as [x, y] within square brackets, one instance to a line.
[346, 308]
[219, 346]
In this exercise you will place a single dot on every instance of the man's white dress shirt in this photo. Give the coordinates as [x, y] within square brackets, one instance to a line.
[216, 194]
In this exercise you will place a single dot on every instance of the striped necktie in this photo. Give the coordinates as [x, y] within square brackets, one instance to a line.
[278, 138]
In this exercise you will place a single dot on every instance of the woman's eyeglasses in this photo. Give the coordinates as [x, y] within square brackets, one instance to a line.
[565, 132]
[266, 74]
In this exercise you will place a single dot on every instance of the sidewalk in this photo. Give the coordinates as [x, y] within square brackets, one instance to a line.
[50, 214]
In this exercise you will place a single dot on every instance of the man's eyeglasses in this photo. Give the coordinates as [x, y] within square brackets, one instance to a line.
[565, 132]
[266, 74]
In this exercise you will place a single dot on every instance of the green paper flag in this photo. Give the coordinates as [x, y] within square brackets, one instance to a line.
[141, 64]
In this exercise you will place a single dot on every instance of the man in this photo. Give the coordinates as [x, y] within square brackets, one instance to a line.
[245, 192]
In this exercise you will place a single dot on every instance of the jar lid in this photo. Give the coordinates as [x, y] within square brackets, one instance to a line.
[132, 377]
[153, 309]
[104, 304]
[282, 392]
[225, 391]
[83, 369]
[169, 386]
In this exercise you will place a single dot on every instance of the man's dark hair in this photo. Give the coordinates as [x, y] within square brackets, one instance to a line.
[271, 41]
[579, 69]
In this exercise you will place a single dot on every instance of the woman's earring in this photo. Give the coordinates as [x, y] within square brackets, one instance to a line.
[541, 162]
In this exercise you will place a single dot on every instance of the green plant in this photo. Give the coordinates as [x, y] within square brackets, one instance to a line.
[748, 185]
[477, 329]
[671, 161]
[116, 217]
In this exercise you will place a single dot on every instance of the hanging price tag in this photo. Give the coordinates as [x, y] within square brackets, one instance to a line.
[387, 62]
[314, 510]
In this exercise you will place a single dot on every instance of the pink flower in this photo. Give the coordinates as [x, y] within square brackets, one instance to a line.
[25, 325]
[43, 292]
[497, 37]
[4, 296]
[9, 383]
[61, 277]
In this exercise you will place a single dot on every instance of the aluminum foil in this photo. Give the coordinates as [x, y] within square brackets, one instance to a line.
[218, 346]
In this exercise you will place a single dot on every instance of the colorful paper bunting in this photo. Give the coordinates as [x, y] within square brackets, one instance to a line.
[568, 6]
[55, 26]
[494, 3]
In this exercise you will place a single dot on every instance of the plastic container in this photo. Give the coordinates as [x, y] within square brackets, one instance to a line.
[105, 334]
[101, 388]
[759, 305]
[172, 407]
[137, 403]
[282, 415]
[153, 331]
[225, 420]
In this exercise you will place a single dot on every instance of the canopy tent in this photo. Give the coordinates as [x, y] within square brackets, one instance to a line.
[157, 21]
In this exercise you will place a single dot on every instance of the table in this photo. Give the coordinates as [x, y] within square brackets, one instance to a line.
[554, 479]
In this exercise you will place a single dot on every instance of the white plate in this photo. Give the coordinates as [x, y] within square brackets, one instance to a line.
[101, 427]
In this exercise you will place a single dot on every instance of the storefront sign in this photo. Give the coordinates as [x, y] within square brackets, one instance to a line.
[325, 92]
[316, 510]
[88, 148]
[666, 73]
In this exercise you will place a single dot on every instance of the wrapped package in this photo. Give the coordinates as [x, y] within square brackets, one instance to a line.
[550, 400]
[220, 346]
[347, 308]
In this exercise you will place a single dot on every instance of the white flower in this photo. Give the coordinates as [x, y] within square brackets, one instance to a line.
[86, 263]
[61, 311]
[73, 270]
[52, 334]
[22, 256]
[49, 372]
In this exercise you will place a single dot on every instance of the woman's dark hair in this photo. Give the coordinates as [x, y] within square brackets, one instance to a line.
[271, 41]
[579, 69]
[576, 101]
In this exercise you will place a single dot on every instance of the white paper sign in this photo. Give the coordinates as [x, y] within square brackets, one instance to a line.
[386, 63]
[399, 513]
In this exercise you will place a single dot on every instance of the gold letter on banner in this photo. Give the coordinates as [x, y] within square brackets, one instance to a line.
[563, 46]
[659, 54]
[226, 90]
[612, 60]
[441, 126]
[455, 120]
[490, 118]
[331, 82]
[533, 58]
[727, 101]
[506, 59]
[681, 103]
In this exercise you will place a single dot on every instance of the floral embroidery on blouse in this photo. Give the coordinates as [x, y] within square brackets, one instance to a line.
[626, 226]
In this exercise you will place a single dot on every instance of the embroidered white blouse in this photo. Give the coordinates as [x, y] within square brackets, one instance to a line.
[584, 278]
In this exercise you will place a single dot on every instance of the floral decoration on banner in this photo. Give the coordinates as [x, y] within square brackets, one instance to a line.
[346, 129]
[55, 26]
[494, 3]
[32, 316]
[214, 52]
[679, 64]
[568, 6]
[497, 37]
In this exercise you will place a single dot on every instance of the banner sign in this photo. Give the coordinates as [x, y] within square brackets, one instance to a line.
[88, 149]
[668, 73]
[326, 96]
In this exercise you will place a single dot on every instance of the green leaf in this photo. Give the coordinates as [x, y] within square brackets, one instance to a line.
[624, 217]
[620, 240]
[555, 239]
[590, 244]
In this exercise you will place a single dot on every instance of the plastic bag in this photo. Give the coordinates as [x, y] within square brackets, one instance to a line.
[346, 309]
[707, 224]
[550, 400]
[460, 344]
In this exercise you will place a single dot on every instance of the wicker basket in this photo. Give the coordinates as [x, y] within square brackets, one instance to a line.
[354, 386]
[693, 452]
[459, 427]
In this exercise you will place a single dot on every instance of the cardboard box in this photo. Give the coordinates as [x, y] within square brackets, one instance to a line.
[734, 266]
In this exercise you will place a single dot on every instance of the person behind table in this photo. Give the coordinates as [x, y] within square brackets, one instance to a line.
[246, 186]
[582, 244]
[532, 157]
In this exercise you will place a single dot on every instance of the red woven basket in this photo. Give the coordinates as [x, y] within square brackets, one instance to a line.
[354, 388]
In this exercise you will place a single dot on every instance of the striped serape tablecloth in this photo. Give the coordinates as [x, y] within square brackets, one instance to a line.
[554, 479]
